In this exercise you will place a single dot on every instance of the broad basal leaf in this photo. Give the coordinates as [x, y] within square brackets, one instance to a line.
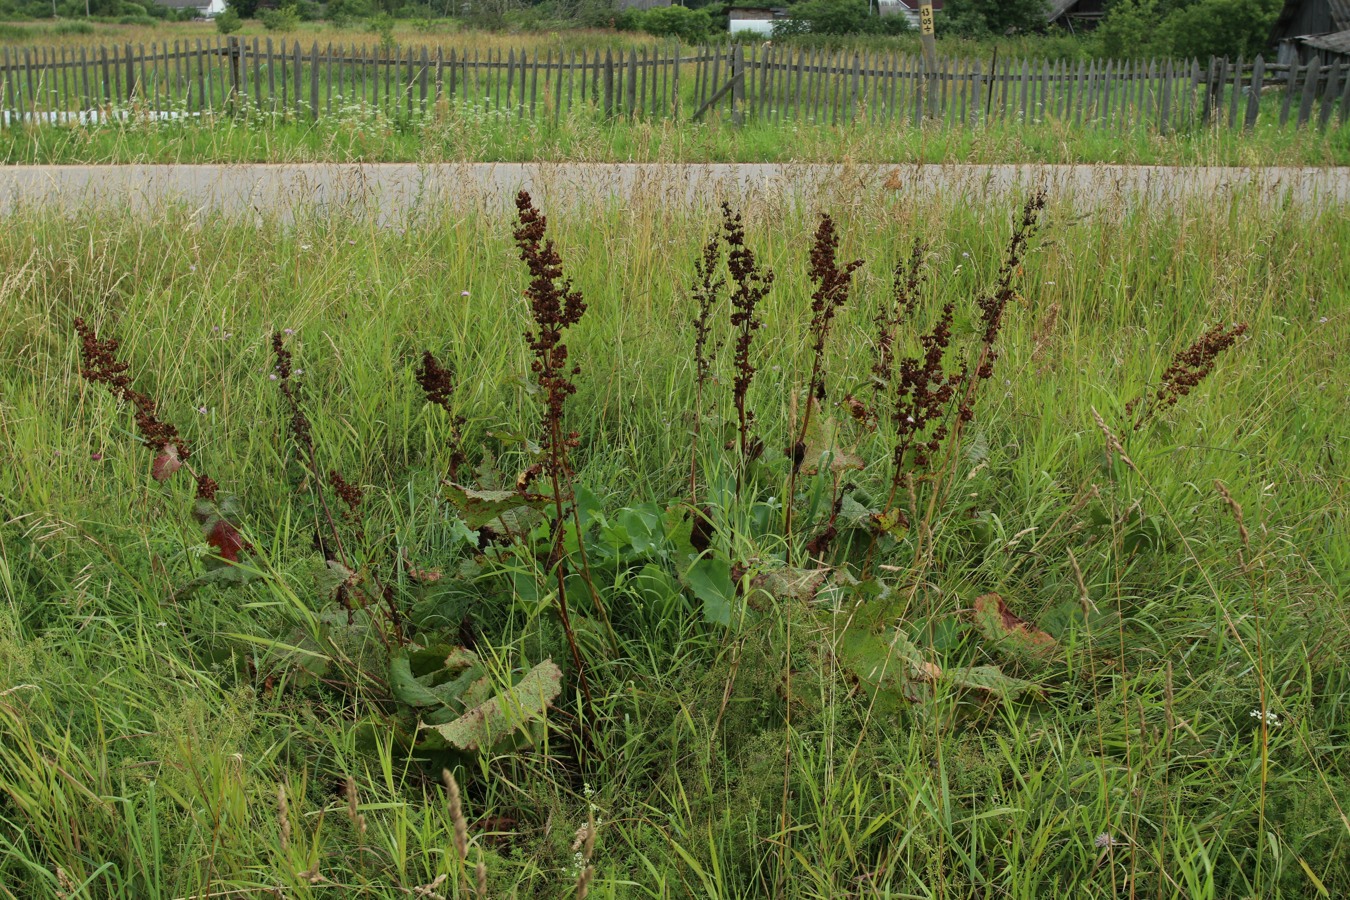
[710, 581]
[822, 444]
[990, 680]
[478, 508]
[789, 583]
[997, 623]
[505, 713]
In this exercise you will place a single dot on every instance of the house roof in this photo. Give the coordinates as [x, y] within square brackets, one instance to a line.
[1339, 9]
[1338, 42]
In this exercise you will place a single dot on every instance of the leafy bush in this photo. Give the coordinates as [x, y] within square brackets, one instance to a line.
[1203, 28]
[825, 17]
[1221, 28]
[989, 18]
[346, 13]
[831, 18]
[383, 25]
[689, 25]
[284, 18]
[228, 22]
[247, 9]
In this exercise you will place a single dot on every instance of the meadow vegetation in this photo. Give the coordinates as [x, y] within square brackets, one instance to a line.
[356, 134]
[866, 547]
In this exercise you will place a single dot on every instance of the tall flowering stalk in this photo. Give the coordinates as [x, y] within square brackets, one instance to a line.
[347, 492]
[99, 365]
[906, 281]
[1188, 368]
[750, 285]
[832, 282]
[555, 306]
[706, 290]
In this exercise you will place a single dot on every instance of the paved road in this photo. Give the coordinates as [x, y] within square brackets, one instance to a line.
[397, 190]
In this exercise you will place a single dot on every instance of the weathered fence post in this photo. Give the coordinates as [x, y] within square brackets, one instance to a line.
[1254, 94]
[738, 86]
[609, 83]
[233, 49]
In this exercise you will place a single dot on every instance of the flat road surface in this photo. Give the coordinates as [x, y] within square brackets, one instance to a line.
[393, 191]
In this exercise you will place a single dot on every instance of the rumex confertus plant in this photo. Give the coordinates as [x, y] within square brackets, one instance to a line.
[906, 281]
[932, 398]
[329, 538]
[750, 285]
[832, 281]
[1188, 368]
[555, 306]
[706, 290]
[438, 383]
[100, 365]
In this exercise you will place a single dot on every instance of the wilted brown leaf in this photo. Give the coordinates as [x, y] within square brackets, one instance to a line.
[997, 623]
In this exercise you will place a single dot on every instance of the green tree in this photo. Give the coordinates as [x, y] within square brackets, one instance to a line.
[985, 18]
[689, 25]
[228, 22]
[1228, 28]
[826, 17]
[246, 9]
[1130, 30]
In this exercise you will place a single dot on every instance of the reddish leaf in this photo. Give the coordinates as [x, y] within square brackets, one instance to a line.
[226, 540]
[166, 463]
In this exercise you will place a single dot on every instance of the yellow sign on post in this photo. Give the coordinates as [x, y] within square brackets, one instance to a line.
[929, 54]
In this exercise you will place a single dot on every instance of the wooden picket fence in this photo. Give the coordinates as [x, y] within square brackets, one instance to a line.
[738, 83]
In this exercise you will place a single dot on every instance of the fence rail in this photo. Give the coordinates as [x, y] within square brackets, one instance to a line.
[739, 83]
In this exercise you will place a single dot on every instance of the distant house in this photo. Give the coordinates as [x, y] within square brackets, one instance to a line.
[1308, 28]
[754, 19]
[1070, 13]
[205, 8]
[1328, 48]
[907, 8]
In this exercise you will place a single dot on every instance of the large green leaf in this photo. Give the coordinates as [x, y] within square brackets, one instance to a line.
[989, 679]
[504, 714]
[710, 580]
[478, 508]
[822, 448]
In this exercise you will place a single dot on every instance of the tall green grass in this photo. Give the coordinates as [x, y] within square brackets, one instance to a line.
[500, 136]
[139, 758]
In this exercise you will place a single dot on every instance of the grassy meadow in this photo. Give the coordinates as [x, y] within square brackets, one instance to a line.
[477, 135]
[764, 712]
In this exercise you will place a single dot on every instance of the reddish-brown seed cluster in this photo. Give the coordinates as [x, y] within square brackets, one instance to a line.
[707, 287]
[299, 423]
[832, 288]
[438, 384]
[923, 390]
[1187, 369]
[750, 286]
[554, 305]
[100, 366]
[906, 281]
[993, 304]
[348, 493]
